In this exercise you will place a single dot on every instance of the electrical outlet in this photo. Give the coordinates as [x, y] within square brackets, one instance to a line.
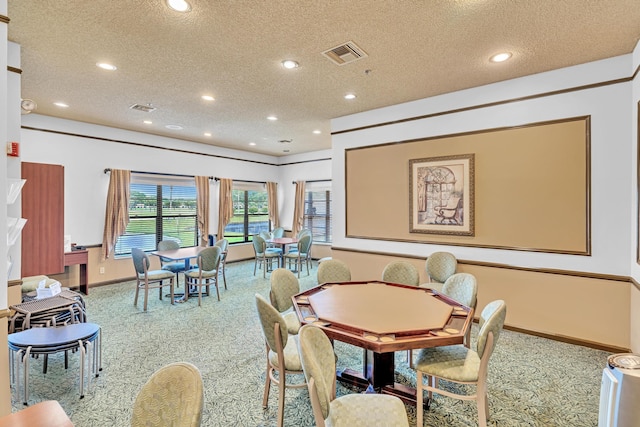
[101, 270]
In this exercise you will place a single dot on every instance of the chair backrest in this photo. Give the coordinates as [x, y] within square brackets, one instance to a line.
[333, 270]
[173, 396]
[401, 272]
[209, 258]
[318, 363]
[303, 232]
[265, 235]
[463, 288]
[140, 260]
[167, 245]
[258, 244]
[304, 243]
[441, 265]
[223, 244]
[284, 285]
[278, 232]
[491, 320]
[269, 316]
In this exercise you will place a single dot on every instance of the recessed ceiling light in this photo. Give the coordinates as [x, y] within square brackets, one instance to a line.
[208, 98]
[61, 104]
[350, 96]
[147, 122]
[289, 64]
[252, 144]
[179, 5]
[317, 132]
[174, 127]
[272, 118]
[207, 134]
[106, 66]
[500, 57]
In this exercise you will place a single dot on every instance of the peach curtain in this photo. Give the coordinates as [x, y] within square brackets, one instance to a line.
[116, 215]
[298, 209]
[202, 208]
[272, 194]
[225, 212]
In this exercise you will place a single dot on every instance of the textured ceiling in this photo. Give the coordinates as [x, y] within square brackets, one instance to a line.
[233, 49]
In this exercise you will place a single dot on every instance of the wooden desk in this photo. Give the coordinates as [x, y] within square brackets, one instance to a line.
[79, 258]
[383, 318]
[44, 414]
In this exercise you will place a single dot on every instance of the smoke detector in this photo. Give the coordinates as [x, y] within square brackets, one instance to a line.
[345, 53]
[27, 106]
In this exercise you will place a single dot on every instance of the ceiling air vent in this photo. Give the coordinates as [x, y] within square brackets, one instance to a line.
[345, 53]
[146, 108]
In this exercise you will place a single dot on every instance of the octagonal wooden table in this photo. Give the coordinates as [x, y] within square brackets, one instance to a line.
[383, 318]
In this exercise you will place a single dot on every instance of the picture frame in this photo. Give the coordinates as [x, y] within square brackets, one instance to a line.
[441, 199]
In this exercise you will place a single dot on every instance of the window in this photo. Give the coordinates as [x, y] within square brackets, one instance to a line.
[159, 209]
[317, 210]
[250, 212]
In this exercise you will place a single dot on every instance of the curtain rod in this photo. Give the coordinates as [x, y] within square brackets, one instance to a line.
[242, 180]
[107, 170]
[315, 180]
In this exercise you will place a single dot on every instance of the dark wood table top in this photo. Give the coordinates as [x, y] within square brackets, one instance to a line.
[384, 317]
[44, 414]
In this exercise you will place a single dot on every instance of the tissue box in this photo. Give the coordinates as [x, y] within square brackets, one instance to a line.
[52, 290]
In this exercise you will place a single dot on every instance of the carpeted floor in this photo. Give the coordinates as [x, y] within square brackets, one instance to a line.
[532, 381]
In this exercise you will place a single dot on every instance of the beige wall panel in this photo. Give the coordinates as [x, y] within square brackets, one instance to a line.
[531, 187]
[635, 319]
[585, 309]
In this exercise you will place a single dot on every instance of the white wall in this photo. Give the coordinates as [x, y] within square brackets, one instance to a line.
[85, 159]
[612, 152]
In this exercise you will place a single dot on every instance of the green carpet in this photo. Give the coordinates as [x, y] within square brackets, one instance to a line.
[532, 381]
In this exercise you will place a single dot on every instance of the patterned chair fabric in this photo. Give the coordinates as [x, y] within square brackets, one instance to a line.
[206, 274]
[401, 272]
[284, 285]
[282, 353]
[299, 235]
[319, 365]
[149, 279]
[302, 255]
[462, 365]
[333, 270]
[277, 232]
[264, 257]
[440, 265]
[173, 396]
[463, 288]
[176, 267]
[223, 244]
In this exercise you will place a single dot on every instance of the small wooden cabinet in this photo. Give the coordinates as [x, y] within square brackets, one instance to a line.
[43, 208]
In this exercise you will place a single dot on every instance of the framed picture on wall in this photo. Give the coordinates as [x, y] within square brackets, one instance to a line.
[441, 195]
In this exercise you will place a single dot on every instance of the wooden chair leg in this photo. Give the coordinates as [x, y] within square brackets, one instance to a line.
[267, 386]
[419, 400]
[281, 388]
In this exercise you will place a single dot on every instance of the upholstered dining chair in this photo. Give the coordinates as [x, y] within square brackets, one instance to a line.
[223, 244]
[303, 232]
[461, 365]
[401, 272]
[463, 288]
[172, 397]
[264, 257]
[282, 354]
[205, 275]
[319, 366]
[302, 255]
[333, 270]
[277, 232]
[176, 267]
[285, 285]
[439, 266]
[149, 279]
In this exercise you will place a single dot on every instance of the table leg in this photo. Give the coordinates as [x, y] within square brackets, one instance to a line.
[83, 279]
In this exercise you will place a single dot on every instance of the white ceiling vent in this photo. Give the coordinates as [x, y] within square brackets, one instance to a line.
[345, 53]
[146, 108]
